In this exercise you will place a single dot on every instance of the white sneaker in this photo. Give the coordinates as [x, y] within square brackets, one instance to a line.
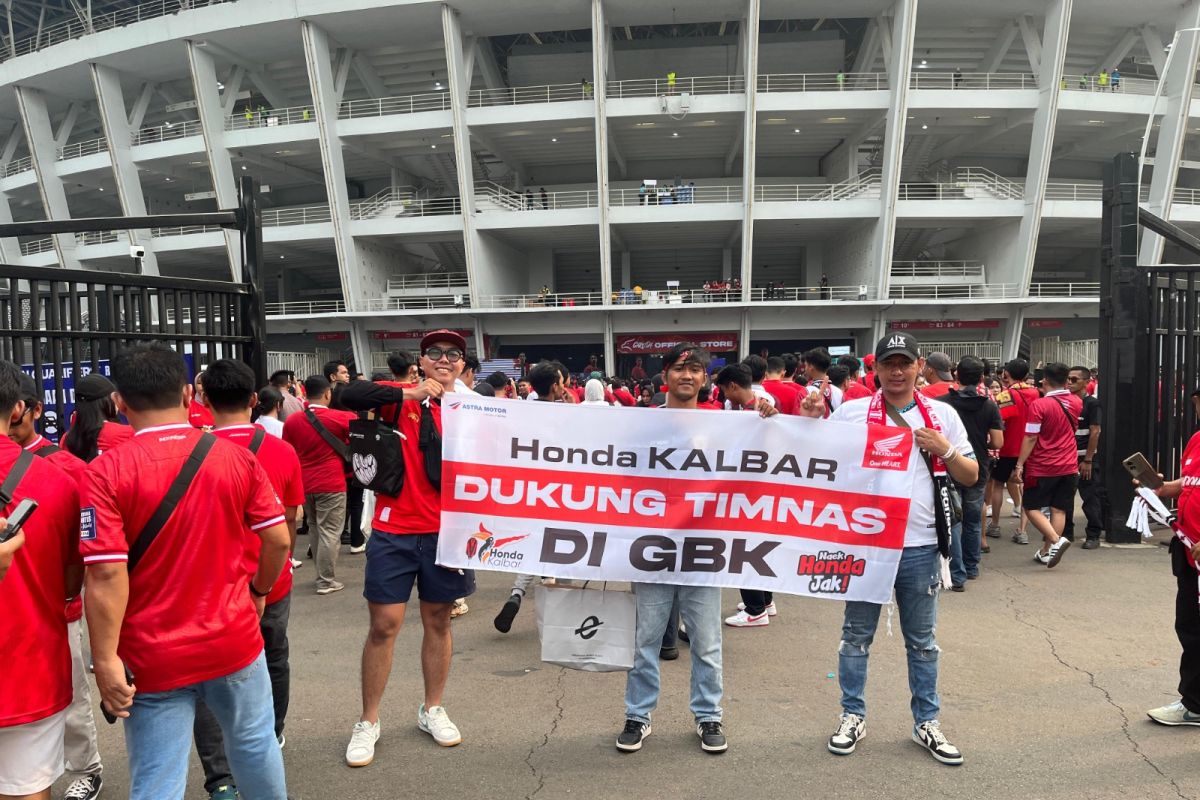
[297, 563]
[1174, 714]
[742, 619]
[771, 610]
[438, 725]
[1056, 551]
[336, 586]
[361, 750]
[362, 548]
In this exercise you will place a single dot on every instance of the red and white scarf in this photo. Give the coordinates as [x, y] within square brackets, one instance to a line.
[876, 415]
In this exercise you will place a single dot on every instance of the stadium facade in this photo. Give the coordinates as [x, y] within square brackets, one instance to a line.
[602, 177]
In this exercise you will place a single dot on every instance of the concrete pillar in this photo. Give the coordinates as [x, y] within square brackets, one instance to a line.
[749, 41]
[1012, 334]
[903, 29]
[1050, 73]
[325, 110]
[1176, 87]
[610, 346]
[10, 248]
[601, 69]
[744, 333]
[360, 343]
[39, 133]
[459, 83]
[110, 105]
[212, 124]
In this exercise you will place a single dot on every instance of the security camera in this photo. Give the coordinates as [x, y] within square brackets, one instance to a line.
[137, 251]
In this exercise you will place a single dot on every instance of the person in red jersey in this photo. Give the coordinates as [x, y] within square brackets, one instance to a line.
[1048, 465]
[868, 376]
[95, 425]
[1014, 402]
[854, 388]
[198, 414]
[172, 605]
[83, 765]
[39, 567]
[230, 396]
[324, 469]
[402, 550]
[939, 375]
[787, 394]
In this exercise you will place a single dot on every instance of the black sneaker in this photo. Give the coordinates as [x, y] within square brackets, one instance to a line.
[508, 613]
[630, 740]
[712, 738]
[668, 653]
[929, 735]
[851, 728]
[1091, 544]
[85, 788]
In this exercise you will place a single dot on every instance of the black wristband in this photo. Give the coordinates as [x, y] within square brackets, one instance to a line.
[257, 593]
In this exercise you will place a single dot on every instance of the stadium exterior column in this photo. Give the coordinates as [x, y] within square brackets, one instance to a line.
[1177, 86]
[360, 343]
[480, 351]
[601, 65]
[904, 27]
[1050, 74]
[458, 84]
[1012, 335]
[212, 124]
[610, 347]
[43, 152]
[110, 105]
[355, 286]
[749, 36]
[744, 334]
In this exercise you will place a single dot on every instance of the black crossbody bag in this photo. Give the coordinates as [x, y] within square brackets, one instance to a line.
[947, 503]
[175, 493]
[337, 444]
[375, 454]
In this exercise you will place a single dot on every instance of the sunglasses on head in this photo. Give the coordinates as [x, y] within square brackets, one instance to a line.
[436, 353]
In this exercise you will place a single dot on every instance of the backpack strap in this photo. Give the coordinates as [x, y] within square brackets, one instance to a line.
[171, 499]
[13, 480]
[257, 439]
[337, 444]
[47, 451]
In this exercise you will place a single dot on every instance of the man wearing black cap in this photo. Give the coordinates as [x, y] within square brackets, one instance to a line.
[944, 451]
[402, 550]
[685, 368]
[938, 374]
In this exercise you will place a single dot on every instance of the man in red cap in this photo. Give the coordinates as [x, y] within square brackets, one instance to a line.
[868, 376]
[402, 550]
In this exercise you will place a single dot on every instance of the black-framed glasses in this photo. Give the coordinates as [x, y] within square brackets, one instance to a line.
[1073, 379]
[435, 354]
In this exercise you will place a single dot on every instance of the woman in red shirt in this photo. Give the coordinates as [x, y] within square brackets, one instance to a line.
[95, 425]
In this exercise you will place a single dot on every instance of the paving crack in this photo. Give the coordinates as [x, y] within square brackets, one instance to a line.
[560, 694]
[1022, 618]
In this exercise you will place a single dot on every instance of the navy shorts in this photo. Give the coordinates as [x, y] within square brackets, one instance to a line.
[396, 561]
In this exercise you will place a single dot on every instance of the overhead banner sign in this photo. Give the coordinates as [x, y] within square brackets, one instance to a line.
[943, 324]
[646, 344]
[807, 507]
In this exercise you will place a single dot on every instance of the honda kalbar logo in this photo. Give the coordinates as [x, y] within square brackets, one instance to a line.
[485, 548]
[589, 627]
[887, 449]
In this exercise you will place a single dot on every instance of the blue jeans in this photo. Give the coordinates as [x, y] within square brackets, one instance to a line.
[966, 537]
[158, 735]
[700, 609]
[917, 599]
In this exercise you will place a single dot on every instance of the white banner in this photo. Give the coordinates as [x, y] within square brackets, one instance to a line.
[808, 507]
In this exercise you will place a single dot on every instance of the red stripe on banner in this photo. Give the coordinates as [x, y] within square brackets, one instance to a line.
[737, 506]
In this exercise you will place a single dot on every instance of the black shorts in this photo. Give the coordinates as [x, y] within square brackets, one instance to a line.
[1056, 491]
[396, 561]
[1003, 468]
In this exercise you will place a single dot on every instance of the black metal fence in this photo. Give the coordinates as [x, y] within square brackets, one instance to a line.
[1170, 352]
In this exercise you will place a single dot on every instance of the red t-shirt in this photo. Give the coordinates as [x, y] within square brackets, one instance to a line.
[33, 627]
[786, 394]
[74, 467]
[624, 397]
[1189, 498]
[938, 389]
[855, 390]
[282, 464]
[1056, 452]
[418, 509]
[190, 615]
[1014, 405]
[323, 469]
[111, 435]
[199, 416]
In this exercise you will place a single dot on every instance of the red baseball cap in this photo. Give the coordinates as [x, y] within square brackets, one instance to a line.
[869, 360]
[443, 335]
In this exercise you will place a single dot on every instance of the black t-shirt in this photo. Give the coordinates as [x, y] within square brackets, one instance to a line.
[1089, 417]
[979, 415]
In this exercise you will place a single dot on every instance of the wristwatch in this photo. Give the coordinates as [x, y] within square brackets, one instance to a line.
[257, 593]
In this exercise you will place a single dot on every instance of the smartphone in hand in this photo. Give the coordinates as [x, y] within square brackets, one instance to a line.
[1141, 470]
[18, 518]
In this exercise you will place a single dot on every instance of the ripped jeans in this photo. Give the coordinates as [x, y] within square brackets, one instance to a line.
[917, 601]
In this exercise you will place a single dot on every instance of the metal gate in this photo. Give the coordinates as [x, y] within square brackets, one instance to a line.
[1149, 343]
[60, 324]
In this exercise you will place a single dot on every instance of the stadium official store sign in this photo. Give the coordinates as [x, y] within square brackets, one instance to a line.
[658, 343]
[807, 507]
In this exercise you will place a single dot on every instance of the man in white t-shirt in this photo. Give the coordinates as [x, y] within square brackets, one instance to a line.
[939, 435]
[737, 385]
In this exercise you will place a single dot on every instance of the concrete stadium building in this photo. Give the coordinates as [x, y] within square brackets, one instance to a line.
[528, 172]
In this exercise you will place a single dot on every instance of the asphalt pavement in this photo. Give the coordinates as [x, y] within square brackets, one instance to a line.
[1045, 679]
